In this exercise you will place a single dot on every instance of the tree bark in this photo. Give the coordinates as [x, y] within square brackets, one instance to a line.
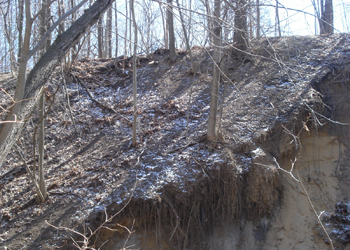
[326, 22]
[116, 30]
[277, 20]
[109, 33]
[257, 19]
[126, 29]
[134, 82]
[42, 71]
[170, 20]
[100, 37]
[240, 37]
[211, 131]
[20, 27]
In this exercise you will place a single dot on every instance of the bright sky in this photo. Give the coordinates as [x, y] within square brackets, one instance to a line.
[303, 24]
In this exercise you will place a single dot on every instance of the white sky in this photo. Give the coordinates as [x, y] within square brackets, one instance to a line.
[303, 24]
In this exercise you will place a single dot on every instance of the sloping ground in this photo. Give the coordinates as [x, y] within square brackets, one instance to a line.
[184, 195]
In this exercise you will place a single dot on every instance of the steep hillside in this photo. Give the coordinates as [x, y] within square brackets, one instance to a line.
[284, 104]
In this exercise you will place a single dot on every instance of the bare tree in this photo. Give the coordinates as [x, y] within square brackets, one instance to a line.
[116, 30]
[100, 37]
[29, 88]
[257, 19]
[240, 38]
[277, 22]
[126, 29]
[20, 26]
[326, 22]
[170, 20]
[165, 27]
[211, 131]
[109, 33]
[134, 82]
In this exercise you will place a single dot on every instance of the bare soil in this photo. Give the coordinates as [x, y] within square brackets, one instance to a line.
[180, 189]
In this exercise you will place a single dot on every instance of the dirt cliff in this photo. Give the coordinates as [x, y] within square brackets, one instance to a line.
[284, 105]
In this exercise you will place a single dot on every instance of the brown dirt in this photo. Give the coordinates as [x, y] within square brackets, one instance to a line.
[185, 195]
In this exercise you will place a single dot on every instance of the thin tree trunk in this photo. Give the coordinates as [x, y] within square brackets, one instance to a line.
[134, 82]
[130, 32]
[116, 30]
[172, 52]
[211, 131]
[257, 18]
[209, 22]
[109, 33]
[100, 37]
[277, 25]
[126, 29]
[42, 185]
[20, 27]
[165, 27]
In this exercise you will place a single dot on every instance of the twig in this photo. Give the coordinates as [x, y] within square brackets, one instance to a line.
[32, 177]
[68, 102]
[101, 105]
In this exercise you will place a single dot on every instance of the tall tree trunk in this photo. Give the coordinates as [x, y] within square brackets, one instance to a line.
[165, 27]
[326, 22]
[211, 131]
[20, 27]
[240, 38]
[257, 18]
[277, 22]
[109, 33]
[126, 29]
[44, 27]
[134, 82]
[170, 20]
[209, 22]
[28, 90]
[100, 37]
[116, 30]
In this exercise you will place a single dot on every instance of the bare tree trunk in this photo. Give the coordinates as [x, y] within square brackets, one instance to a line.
[134, 82]
[20, 27]
[165, 27]
[240, 38]
[27, 91]
[100, 37]
[170, 20]
[257, 18]
[89, 38]
[42, 185]
[250, 20]
[116, 30]
[74, 50]
[44, 26]
[209, 22]
[326, 22]
[109, 33]
[130, 31]
[277, 22]
[211, 131]
[126, 29]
